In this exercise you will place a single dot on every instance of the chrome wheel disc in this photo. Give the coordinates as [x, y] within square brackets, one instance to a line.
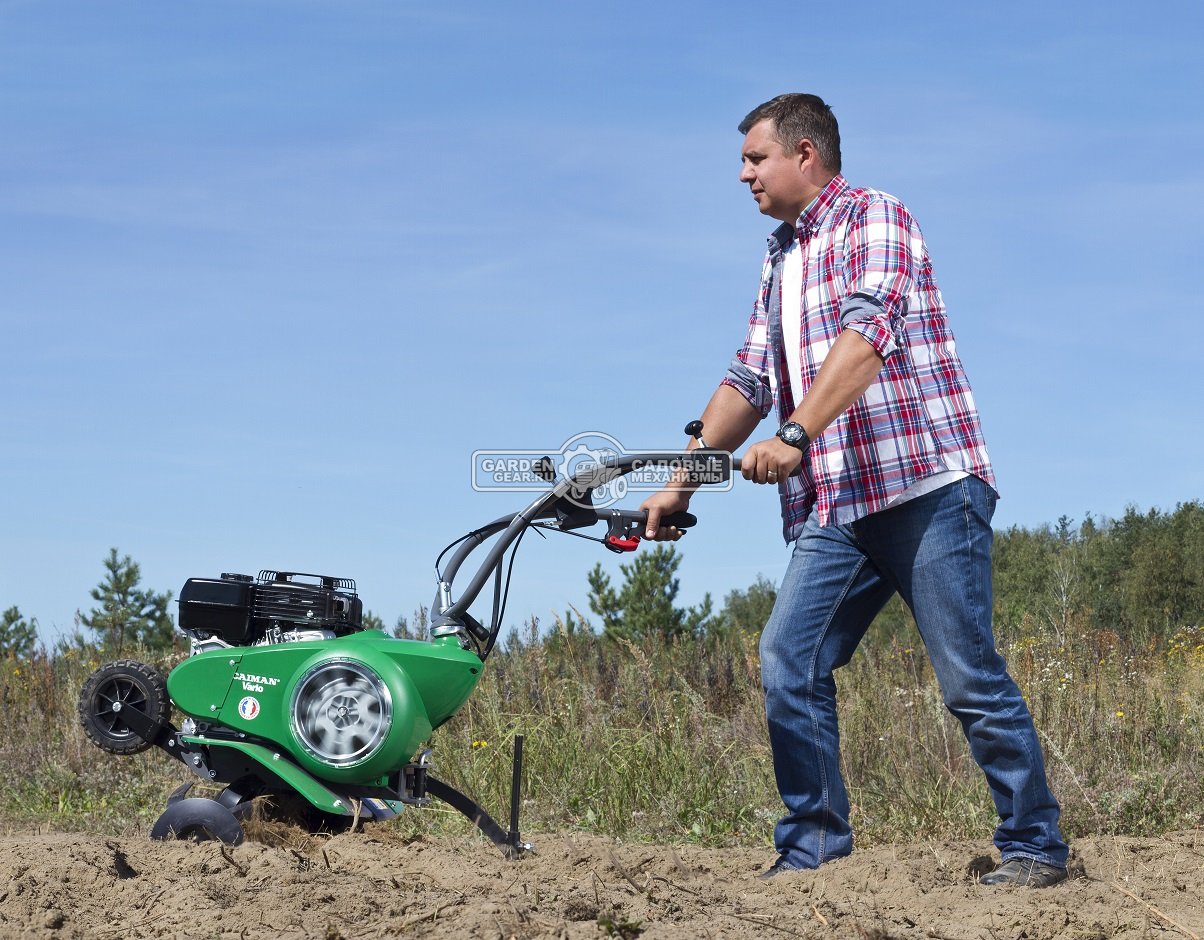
[341, 712]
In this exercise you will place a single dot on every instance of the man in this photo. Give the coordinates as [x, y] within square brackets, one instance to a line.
[885, 486]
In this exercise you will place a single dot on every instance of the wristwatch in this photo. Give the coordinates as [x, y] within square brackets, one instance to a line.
[792, 433]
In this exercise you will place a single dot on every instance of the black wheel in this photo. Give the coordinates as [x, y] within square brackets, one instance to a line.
[198, 819]
[114, 688]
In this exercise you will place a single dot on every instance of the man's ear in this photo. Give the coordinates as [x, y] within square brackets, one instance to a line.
[805, 150]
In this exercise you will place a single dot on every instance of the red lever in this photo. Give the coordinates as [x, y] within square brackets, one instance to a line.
[623, 545]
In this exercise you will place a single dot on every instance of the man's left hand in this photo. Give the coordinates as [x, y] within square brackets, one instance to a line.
[770, 461]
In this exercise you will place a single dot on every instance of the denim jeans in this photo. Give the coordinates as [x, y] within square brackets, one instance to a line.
[936, 552]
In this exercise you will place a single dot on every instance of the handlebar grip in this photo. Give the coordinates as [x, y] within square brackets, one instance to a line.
[682, 520]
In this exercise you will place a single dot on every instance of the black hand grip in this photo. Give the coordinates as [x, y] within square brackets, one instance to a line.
[683, 520]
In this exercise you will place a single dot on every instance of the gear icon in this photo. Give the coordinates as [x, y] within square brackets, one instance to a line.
[586, 463]
[582, 458]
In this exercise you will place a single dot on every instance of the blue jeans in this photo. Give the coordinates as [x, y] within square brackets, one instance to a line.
[936, 552]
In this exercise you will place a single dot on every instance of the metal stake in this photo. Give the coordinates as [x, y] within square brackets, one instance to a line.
[516, 782]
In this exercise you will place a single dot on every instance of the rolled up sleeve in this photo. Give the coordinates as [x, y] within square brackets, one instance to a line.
[755, 387]
[865, 315]
[881, 265]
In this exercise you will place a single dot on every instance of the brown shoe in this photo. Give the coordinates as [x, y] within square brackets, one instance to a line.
[1023, 872]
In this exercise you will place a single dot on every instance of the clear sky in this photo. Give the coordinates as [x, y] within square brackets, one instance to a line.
[271, 270]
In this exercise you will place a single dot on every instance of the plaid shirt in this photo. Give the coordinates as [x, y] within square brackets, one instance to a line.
[865, 268]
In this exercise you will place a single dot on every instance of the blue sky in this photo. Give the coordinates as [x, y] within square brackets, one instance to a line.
[271, 271]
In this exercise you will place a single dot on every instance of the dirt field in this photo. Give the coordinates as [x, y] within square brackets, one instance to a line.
[374, 883]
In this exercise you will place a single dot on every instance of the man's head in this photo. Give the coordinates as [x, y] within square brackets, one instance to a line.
[795, 117]
[791, 150]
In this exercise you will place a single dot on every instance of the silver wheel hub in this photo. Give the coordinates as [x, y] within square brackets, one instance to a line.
[341, 712]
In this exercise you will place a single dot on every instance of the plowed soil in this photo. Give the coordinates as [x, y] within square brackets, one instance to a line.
[375, 883]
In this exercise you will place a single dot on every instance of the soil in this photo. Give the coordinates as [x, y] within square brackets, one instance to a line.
[377, 883]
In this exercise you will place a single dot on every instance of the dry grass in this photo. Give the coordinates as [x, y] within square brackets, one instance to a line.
[667, 742]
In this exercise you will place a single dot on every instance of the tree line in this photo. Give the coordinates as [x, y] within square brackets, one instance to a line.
[1140, 576]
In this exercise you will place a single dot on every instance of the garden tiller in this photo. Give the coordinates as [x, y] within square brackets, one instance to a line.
[285, 696]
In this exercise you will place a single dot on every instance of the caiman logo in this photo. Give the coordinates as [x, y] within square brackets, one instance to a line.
[255, 683]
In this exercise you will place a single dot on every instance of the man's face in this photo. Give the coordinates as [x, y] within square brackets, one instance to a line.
[774, 175]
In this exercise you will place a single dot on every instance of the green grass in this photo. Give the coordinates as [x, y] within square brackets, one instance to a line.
[667, 742]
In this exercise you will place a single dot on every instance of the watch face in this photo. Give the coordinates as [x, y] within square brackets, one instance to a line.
[791, 433]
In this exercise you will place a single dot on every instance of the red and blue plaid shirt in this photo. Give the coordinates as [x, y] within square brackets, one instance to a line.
[865, 268]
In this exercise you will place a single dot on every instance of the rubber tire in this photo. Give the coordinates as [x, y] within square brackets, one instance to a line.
[198, 819]
[135, 685]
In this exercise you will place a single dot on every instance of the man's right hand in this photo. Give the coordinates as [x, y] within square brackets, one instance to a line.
[662, 504]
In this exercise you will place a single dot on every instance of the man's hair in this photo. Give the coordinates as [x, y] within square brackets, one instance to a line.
[795, 116]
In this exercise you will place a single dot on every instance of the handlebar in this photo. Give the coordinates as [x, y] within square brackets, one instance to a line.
[569, 502]
[626, 526]
[678, 520]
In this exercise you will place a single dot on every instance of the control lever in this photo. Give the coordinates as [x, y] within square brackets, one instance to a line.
[624, 527]
[544, 470]
[694, 429]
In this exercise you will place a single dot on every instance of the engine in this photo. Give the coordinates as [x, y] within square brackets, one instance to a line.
[275, 607]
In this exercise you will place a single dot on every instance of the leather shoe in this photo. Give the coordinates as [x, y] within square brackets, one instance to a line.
[1023, 872]
[776, 869]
